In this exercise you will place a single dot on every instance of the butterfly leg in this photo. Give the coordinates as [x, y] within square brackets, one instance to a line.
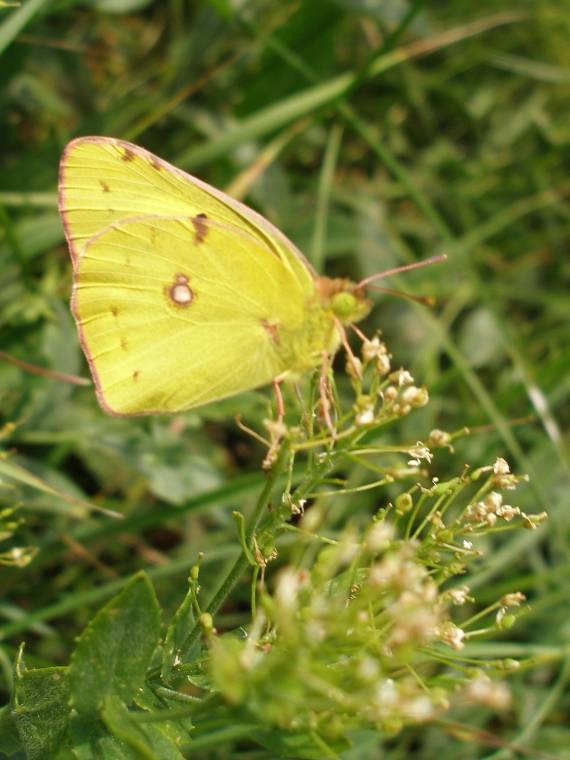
[350, 357]
[276, 427]
[325, 394]
[279, 401]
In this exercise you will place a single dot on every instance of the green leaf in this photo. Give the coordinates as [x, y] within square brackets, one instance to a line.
[114, 651]
[118, 721]
[178, 731]
[41, 710]
[91, 741]
[178, 630]
[79, 507]
[17, 20]
[9, 739]
[148, 741]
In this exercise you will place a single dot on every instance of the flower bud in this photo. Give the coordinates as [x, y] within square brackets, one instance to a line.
[404, 503]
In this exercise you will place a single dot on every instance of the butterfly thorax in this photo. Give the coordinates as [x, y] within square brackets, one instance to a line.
[335, 302]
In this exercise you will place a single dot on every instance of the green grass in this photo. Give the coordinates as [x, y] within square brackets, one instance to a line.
[377, 134]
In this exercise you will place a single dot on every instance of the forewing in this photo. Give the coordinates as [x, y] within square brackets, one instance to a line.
[104, 180]
[172, 316]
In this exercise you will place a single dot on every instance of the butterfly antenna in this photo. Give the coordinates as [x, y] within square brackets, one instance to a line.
[404, 268]
[424, 300]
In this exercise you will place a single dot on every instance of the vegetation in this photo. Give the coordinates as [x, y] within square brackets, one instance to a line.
[373, 594]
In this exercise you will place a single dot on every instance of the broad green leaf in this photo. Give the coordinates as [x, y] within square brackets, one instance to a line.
[145, 739]
[41, 710]
[9, 739]
[178, 731]
[114, 651]
[92, 741]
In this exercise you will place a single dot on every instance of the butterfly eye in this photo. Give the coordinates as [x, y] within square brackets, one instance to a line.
[344, 305]
[350, 306]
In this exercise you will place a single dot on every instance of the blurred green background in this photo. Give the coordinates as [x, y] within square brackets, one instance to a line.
[373, 133]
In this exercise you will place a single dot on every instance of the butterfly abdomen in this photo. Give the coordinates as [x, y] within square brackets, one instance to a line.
[302, 348]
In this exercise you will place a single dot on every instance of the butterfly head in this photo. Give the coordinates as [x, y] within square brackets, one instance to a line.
[346, 299]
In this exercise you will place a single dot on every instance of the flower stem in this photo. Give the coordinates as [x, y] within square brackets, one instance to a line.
[242, 562]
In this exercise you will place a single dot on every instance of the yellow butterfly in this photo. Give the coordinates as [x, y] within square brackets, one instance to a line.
[183, 295]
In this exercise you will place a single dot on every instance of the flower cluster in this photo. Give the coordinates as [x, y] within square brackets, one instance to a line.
[341, 638]
[372, 629]
[486, 511]
[388, 395]
[369, 629]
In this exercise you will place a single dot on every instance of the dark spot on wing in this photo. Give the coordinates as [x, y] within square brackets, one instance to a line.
[136, 374]
[104, 186]
[200, 223]
[180, 293]
[156, 163]
[114, 310]
[128, 155]
[272, 329]
[124, 344]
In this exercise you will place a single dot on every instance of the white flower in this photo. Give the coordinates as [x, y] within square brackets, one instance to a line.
[368, 669]
[415, 397]
[383, 364]
[493, 501]
[365, 417]
[501, 467]
[287, 589]
[379, 536]
[451, 635]
[419, 452]
[354, 367]
[419, 709]
[486, 692]
[438, 438]
[459, 595]
[401, 377]
[387, 693]
[513, 599]
[507, 512]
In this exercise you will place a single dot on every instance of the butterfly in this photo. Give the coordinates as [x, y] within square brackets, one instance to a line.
[183, 295]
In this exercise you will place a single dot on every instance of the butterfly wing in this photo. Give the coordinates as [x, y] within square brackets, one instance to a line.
[172, 315]
[104, 180]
